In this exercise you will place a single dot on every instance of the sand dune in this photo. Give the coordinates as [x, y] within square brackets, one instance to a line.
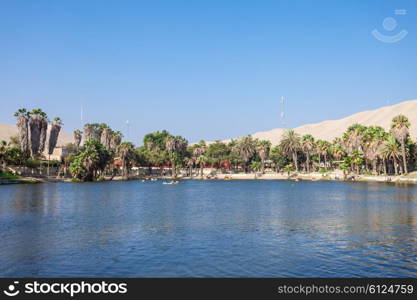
[7, 131]
[328, 130]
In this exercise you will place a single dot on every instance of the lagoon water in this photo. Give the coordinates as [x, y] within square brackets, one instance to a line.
[208, 229]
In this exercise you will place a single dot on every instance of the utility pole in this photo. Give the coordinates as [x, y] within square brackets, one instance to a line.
[128, 129]
[283, 123]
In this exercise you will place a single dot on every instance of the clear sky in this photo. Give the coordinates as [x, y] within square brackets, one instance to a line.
[204, 69]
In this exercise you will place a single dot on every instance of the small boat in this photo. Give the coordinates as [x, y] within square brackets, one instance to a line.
[170, 182]
[154, 179]
[227, 178]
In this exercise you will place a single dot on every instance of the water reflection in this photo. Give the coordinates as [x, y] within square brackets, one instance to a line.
[215, 228]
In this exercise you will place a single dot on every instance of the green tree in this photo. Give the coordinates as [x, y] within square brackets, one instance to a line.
[246, 149]
[400, 129]
[90, 161]
[263, 148]
[308, 145]
[290, 145]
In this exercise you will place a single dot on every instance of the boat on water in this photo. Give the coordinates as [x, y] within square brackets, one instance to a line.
[171, 182]
[227, 178]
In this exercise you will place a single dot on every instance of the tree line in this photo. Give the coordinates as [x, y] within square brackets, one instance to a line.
[360, 150]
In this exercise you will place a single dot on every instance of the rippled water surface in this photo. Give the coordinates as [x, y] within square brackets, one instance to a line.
[208, 228]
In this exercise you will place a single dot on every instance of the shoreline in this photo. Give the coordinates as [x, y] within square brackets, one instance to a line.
[331, 176]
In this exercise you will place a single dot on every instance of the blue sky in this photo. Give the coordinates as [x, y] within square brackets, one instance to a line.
[203, 69]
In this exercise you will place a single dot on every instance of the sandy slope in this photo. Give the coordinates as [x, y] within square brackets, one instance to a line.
[7, 131]
[328, 130]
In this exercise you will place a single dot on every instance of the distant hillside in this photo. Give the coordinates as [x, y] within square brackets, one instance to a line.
[7, 131]
[328, 130]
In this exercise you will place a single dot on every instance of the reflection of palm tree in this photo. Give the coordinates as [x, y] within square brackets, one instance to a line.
[399, 129]
[23, 130]
[290, 144]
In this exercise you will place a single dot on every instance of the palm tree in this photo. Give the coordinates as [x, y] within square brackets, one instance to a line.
[53, 137]
[125, 151]
[372, 141]
[307, 145]
[356, 158]
[3, 153]
[22, 124]
[255, 166]
[390, 150]
[88, 131]
[105, 137]
[352, 138]
[115, 140]
[246, 149]
[201, 161]
[189, 163]
[400, 129]
[323, 149]
[263, 152]
[175, 146]
[78, 135]
[87, 164]
[43, 134]
[37, 128]
[290, 144]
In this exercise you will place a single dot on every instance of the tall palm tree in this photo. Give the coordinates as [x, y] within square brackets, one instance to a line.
[125, 151]
[189, 163]
[400, 129]
[115, 140]
[43, 134]
[22, 124]
[323, 148]
[246, 149]
[372, 141]
[352, 138]
[307, 146]
[88, 131]
[390, 150]
[3, 154]
[105, 137]
[36, 129]
[175, 146]
[356, 158]
[201, 161]
[53, 137]
[290, 145]
[78, 135]
[263, 151]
